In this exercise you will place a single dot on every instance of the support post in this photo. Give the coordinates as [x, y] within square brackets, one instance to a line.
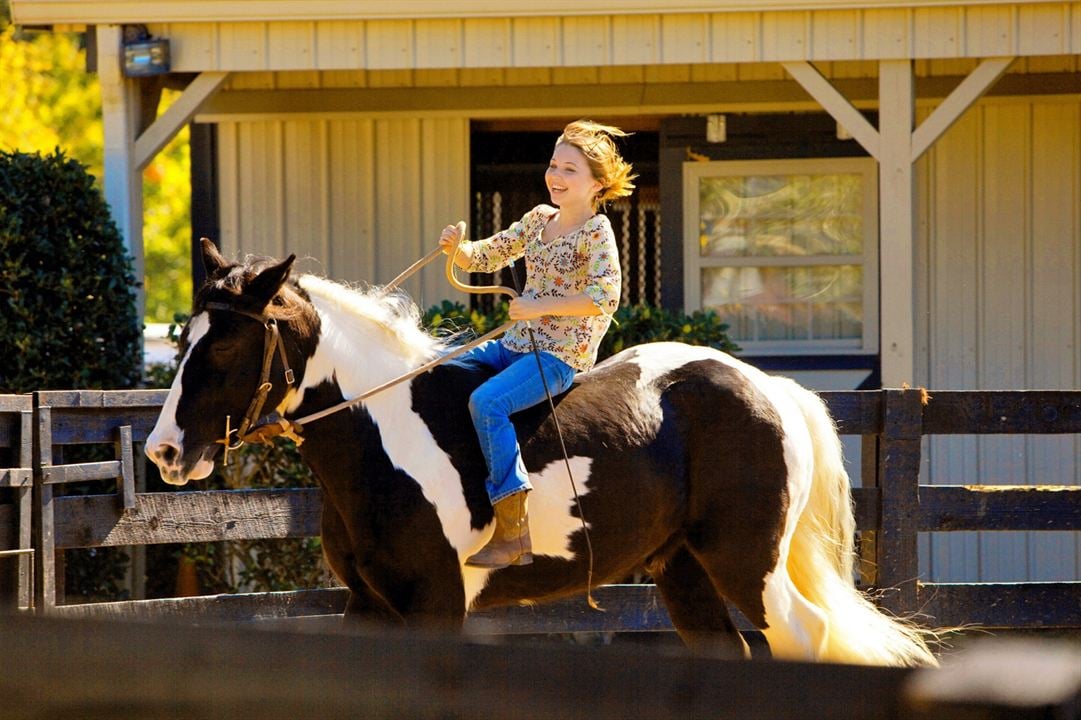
[898, 480]
[120, 104]
[896, 206]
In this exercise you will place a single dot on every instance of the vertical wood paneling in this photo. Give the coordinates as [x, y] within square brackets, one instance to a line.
[487, 43]
[1004, 302]
[1055, 312]
[444, 181]
[770, 35]
[291, 46]
[1040, 29]
[397, 197]
[737, 37]
[389, 44]
[636, 40]
[242, 46]
[953, 289]
[351, 200]
[835, 35]
[303, 213]
[1075, 28]
[989, 31]
[886, 33]
[1003, 278]
[535, 42]
[260, 195]
[936, 32]
[439, 43]
[685, 38]
[586, 41]
[786, 36]
[229, 202]
[191, 49]
[339, 44]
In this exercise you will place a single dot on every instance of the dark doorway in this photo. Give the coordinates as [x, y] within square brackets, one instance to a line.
[509, 159]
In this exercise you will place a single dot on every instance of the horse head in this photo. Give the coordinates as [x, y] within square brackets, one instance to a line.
[248, 334]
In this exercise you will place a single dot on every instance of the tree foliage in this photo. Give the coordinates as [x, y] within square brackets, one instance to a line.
[50, 101]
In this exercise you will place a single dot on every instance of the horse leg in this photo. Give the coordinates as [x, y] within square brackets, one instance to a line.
[363, 604]
[699, 614]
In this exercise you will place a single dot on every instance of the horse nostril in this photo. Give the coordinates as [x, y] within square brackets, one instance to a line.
[167, 454]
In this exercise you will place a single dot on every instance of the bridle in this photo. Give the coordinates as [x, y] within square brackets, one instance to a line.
[272, 339]
[274, 424]
[263, 429]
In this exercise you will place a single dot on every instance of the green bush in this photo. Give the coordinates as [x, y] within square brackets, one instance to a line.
[632, 325]
[67, 289]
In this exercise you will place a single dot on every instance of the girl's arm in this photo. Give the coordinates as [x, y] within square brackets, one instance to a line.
[531, 308]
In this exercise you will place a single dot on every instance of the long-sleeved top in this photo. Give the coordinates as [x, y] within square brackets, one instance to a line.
[585, 260]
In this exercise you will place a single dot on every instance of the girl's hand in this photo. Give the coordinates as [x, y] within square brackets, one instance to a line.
[526, 309]
[450, 237]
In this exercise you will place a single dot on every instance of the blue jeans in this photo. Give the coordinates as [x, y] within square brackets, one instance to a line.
[515, 386]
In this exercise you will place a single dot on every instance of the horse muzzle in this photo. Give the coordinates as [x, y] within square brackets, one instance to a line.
[174, 469]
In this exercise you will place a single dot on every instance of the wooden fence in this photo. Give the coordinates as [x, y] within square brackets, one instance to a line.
[892, 509]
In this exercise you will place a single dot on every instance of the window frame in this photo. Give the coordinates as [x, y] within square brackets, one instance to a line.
[693, 263]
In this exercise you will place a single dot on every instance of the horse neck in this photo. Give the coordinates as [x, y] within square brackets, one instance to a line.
[358, 353]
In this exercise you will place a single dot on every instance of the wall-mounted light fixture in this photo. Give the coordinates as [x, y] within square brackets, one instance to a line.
[716, 128]
[144, 55]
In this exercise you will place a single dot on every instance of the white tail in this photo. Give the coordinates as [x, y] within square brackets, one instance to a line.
[822, 559]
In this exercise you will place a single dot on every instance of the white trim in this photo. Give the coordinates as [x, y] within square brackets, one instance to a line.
[822, 90]
[953, 107]
[44, 12]
[693, 263]
[169, 123]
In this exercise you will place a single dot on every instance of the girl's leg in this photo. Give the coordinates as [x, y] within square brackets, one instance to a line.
[515, 388]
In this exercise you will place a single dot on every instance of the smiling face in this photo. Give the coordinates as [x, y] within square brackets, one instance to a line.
[569, 179]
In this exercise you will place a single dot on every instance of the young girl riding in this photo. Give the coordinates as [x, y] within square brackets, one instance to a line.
[572, 288]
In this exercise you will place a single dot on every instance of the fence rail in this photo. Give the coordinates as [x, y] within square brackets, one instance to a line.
[891, 510]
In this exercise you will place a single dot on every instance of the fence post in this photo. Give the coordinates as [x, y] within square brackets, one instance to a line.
[44, 528]
[898, 486]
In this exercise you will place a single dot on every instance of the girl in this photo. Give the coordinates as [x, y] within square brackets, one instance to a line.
[572, 288]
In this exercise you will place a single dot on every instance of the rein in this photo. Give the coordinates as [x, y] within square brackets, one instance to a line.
[254, 428]
[274, 424]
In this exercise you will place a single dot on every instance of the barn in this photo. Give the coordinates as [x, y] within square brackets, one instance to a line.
[871, 193]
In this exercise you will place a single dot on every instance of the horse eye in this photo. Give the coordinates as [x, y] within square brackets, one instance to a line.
[222, 350]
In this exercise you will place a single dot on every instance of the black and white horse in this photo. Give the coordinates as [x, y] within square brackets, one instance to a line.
[720, 481]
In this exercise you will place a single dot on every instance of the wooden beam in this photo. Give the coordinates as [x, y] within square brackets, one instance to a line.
[176, 116]
[953, 107]
[816, 84]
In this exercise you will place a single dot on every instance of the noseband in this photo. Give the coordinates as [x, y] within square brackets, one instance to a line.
[271, 339]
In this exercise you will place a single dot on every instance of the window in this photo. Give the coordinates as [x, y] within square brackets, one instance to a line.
[786, 252]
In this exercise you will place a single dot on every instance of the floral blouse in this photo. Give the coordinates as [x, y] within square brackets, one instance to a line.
[584, 260]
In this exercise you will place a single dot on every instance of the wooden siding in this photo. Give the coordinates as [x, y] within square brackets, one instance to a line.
[944, 32]
[1000, 294]
[356, 200]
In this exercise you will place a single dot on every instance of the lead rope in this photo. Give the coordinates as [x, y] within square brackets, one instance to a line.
[516, 292]
[566, 457]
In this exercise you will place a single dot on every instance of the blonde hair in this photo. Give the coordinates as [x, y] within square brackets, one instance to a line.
[595, 142]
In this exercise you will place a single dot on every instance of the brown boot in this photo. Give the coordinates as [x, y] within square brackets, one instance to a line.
[510, 544]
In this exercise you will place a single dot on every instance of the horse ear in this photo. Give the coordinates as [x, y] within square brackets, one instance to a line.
[266, 284]
[213, 260]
